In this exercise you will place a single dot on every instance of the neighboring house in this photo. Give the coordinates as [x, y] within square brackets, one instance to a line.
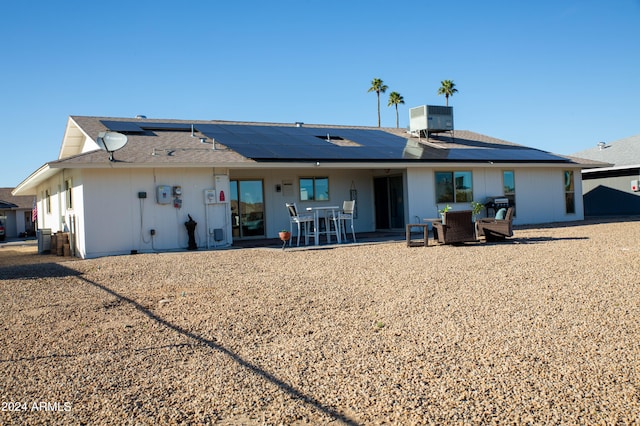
[612, 189]
[234, 179]
[16, 214]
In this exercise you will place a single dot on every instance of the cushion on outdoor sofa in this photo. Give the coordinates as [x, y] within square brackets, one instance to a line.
[501, 213]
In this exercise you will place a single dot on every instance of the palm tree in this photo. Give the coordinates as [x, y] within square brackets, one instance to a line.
[447, 89]
[395, 98]
[379, 87]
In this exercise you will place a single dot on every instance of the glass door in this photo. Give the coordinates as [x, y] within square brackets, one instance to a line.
[389, 201]
[247, 208]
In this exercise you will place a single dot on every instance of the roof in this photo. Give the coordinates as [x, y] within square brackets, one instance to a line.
[623, 152]
[234, 144]
[8, 201]
[206, 142]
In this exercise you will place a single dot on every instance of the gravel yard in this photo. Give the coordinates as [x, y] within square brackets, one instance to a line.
[541, 329]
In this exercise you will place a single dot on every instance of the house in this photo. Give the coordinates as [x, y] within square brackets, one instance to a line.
[613, 188]
[233, 178]
[16, 214]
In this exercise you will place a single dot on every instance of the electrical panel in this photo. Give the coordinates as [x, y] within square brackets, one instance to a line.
[164, 194]
[634, 185]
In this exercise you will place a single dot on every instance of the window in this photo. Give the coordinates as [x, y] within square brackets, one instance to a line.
[47, 199]
[314, 189]
[569, 195]
[67, 189]
[508, 183]
[454, 187]
[509, 187]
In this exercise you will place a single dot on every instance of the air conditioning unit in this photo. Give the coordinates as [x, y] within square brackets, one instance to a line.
[430, 119]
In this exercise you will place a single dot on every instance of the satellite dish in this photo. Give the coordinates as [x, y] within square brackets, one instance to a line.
[111, 141]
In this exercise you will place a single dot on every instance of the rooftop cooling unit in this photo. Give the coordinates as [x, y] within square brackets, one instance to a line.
[431, 119]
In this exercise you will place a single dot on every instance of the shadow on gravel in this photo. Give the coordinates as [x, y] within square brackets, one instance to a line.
[40, 270]
[241, 361]
[536, 240]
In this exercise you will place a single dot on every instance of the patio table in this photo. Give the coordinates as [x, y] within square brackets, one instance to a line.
[316, 222]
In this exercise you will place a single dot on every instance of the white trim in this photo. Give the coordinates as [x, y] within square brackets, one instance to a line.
[614, 168]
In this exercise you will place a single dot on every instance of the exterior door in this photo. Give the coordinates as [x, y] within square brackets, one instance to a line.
[389, 201]
[247, 208]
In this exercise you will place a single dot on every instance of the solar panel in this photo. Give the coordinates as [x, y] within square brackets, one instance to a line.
[122, 126]
[166, 126]
[269, 143]
[304, 143]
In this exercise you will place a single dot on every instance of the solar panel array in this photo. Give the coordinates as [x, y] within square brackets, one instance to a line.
[282, 143]
[306, 143]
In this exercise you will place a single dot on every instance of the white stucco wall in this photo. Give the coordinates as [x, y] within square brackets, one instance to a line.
[340, 183]
[111, 219]
[116, 221]
[539, 193]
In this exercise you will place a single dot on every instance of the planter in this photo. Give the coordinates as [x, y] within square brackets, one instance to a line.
[284, 235]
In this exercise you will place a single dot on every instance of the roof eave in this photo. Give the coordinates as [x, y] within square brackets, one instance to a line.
[30, 184]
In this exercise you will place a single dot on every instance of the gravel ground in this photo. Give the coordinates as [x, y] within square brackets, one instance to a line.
[541, 329]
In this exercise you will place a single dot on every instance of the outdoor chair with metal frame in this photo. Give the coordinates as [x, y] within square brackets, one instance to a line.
[348, 209]
[303, 222]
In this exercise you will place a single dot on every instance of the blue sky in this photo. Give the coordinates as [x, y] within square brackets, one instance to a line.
[558, 75]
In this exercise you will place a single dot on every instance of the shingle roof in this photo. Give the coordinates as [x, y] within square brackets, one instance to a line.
[623, 152]
[15, 202]
[171, 142]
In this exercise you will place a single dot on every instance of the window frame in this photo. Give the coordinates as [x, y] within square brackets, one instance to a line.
[47, 199]
[313, 184]
[68, 185]
[452, 193]
[568, 179]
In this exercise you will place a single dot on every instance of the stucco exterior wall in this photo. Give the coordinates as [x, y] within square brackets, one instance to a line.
[610, 193]
[539, 193]
[340, 184]
[110, 218]
[118, 221]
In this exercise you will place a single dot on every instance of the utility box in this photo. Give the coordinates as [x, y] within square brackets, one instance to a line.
[210, 196]
[44, 240]
[164, 194]
[634, 185]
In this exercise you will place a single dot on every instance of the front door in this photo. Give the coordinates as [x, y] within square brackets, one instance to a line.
[247, 208]
[389, 202]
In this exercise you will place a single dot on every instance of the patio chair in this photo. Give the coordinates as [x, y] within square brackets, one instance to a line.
[457, 227]
[345, 215]
[496, 229]
[303, 222]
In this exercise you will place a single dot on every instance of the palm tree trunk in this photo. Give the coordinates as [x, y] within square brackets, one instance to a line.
[378, 109]
[397, 123]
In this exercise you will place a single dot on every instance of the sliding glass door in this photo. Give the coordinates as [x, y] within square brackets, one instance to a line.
[247, 208]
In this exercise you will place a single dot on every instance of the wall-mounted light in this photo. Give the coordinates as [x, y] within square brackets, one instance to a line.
[317, 163]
